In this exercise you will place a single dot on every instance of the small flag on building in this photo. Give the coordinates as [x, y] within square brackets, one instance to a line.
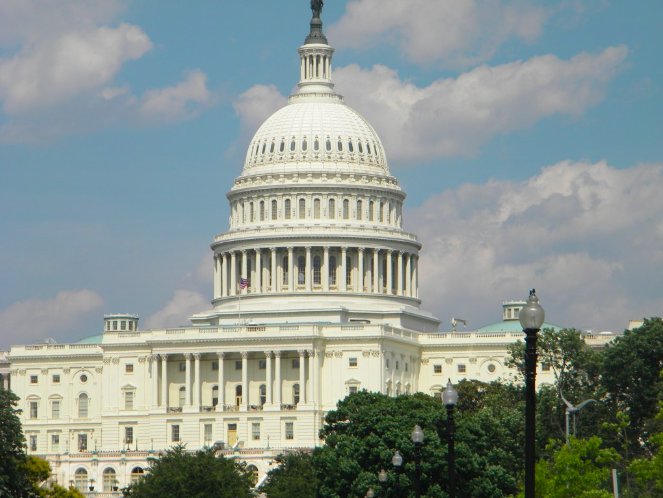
[243, 283]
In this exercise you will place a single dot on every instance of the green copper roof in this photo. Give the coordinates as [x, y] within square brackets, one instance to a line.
[95, 339]
[513, 326]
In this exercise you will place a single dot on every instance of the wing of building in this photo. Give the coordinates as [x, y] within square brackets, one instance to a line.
[316, 295]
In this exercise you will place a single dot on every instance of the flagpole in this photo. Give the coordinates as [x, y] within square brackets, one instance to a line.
[239, 304]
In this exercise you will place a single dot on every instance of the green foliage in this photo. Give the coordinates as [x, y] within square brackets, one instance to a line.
[14, 481]
[293, 476]
[37, 470]
[56, 491]
[648, 472]
[194, 475]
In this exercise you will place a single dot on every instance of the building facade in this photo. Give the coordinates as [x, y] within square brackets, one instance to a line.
[316, 296]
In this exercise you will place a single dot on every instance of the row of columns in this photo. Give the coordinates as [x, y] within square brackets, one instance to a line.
[315, 66]
[405, 269]
[272, 377]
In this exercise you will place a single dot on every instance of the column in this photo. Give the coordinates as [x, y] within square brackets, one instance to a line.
[343, 283]
[376, 271]
[392, 367]
[402, 379]
[311, 376]
[244, 270]
[301, 68]
[408, 275]
[308, 275]
[325, 269]
[277, 381]
[224, 275]
[359, 285]
[222, 383]
[217, 276]
[390, 272]
[245, 380]
[399, 277]
[291, 269]
[196, 381]
[415, 276]
[154, 367]
[187, 388]
[269, 380]
[257, 285]
[233, 273]
[164, 380]
[302, 376]
[273, 274]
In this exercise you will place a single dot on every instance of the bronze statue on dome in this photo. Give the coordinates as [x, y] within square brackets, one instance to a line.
[316, 7]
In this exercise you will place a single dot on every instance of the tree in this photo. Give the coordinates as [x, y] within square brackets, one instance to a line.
[294, 476]
[13, 476]
[201, 474]
[37, 471]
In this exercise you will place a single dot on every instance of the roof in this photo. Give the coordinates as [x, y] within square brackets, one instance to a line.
[95, 339]
[513, 326]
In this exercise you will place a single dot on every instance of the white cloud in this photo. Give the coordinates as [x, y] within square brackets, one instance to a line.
[256, 104]
[587, 236]
[28, 321]
[454, 116]
[458, 32]
[183, 304]
[176, 103]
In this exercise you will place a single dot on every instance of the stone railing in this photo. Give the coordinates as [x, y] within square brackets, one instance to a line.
[230, 408]
[288, 408]
[174, 409]
[255, 408]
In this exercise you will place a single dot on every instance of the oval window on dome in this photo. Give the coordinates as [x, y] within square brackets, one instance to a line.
[351, 147]
[264, 146]
[361, 149]
[328, 145]
[304, 145]
[316, 145]
[368, 148]
[293, 145]
[339, 145]
[282, 146]
[257, 150]
[271, 148]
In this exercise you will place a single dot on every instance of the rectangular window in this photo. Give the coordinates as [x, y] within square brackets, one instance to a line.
[33, 442]
[55, 442]
[123, 325]
[34, 379]
[215, 365]
[406, 367]
[34, 413]
[353, 389]
[262, 364]
[175, 433]
[290, 430]
[56, 379]
[207, 432]
[129, 368]
[128, 400]
[255, 431]
[114, 324]
[128, 435]
[238, 365]
[462, 369]
[387, 364]
[295, 363]
[131, 325]
[398, 365]
[55, 408]
[437, 369]
[82, 442]
[545, 366]
[352, 362]
[182, 367]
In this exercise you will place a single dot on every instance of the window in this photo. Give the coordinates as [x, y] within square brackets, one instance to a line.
[295, 363]
[295, 394]
[262, 364]
[350, 146]
[282, 146]
[406, 367]
[387, 363]
[207, 432]
[361, 149]
[302, 209]
[131, 325]
[110, 478]
[123, 325]
[255, 431]
[262, 210]
[353, 389]
[545, 366]
[346, 209]
[80, 477]
[128, 435]
[339, 146]
[34, 409]
[55, 442]
[491, 368]
[332, 270]
[182, 393]
[182, 367]
[215, 395]
[129, 368]
[316, 270]
[348, 271]
[128, 400]
[290, 430]
[368, 148]
[437, 369]
[82, 442]
[33, 442]
[253, 473]
[328, 146]
[352, 362]
[381, 212]
[56, 379]
[301, 270]
[275, 210]
[271, 148]
[175, 433]
[316, 209]
[371, 208]
[238, 364]
[55, 408]
[286, 269]
[252, 216]
[83, 378]
[215, 366]
[238, 394]
[136, 475]
[462, 369]
[114, 324]
[332, 209]
[286, 210]
[34, 379]
[397, 365]
[293, 146]
[263, 394]
[304, 145]
[359, 210]
[83, 404]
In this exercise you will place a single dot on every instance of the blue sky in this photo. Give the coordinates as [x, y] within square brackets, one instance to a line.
[528, 136]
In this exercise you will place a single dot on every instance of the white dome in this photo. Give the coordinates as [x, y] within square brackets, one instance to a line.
[315, 133]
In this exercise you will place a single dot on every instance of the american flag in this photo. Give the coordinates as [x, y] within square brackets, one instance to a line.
[243, 283]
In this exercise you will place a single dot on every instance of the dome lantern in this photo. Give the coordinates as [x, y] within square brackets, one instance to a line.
[315, 56]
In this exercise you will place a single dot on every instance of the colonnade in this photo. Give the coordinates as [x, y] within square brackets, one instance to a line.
[316, 269]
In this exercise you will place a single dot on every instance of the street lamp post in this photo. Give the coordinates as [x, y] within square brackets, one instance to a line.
[397, 462]
[531, 319]
[418, 440]
[382, 479]
[450, 400]
[370, 493]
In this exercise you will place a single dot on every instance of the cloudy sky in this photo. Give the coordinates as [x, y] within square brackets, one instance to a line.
[528, 136]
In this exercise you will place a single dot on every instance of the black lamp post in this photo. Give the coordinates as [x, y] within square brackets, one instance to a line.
[397, 462]
[418, 440]
[531, 319]
[450, 400]
[382, 479]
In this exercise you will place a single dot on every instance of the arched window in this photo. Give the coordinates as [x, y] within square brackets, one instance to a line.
[332, 209]
[368, 148]
[346, 209]
[332, 270]
[360, 208]
[286, 210]
[286, 269]
[316, 270]
[302, 209]
[316, 209]
[328, 145]
[275, 210]
[83, 406]
[301, 270]
[110, 478]
[295, 394]
[339, 145]
[304, 145]
[80, 480]
[182, 393]
[238, 394]
[348, 271]
[371, 208]
[293, 145]
[262, 210]
[361, 150]
[263, 147]
[263, 394]
[282, 146]
[136, 475]
[215, 395]
[253, 472]
[316, 145]
[271, 148]
[350, 146]
[251, 216]
[381, 212]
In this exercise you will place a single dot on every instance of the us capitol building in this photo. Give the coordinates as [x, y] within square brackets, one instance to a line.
[316, 296]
